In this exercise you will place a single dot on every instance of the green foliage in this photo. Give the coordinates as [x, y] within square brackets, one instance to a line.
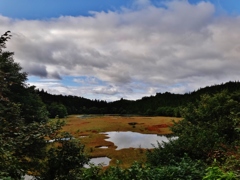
[25, 129]
[10, 73]
[215, 173]
[57, 110]
[23, 146]
[208, 129]
[32, 107]
[14, 90]
[162, 104]
[185, 169]
[165, 111]
[232, 163]
[93, 172]
[65, 161]
[211, 125]
[149, 112]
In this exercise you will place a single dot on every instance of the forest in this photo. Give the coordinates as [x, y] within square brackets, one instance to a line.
[207, 146]
[162, 104]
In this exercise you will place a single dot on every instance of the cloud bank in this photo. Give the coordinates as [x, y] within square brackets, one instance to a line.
[135, 52]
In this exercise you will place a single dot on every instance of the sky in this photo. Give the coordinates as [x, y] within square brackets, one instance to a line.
[113, 49]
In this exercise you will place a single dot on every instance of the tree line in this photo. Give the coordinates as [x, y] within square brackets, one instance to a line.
[162, 104]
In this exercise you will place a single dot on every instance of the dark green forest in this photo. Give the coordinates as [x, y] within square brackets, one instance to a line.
[207, 144]
[162, 104]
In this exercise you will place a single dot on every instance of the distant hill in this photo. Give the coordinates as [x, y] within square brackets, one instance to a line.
[162, 104]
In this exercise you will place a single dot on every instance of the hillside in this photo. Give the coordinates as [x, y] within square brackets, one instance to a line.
[162, 104]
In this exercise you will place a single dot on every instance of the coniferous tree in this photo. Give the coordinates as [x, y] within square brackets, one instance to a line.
[24, 126]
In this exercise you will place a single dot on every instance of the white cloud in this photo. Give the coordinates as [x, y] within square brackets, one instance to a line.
[183, 44]
[87, 80]
[110, 90]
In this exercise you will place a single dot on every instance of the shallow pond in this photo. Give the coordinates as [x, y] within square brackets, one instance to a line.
[135, 140]
[104, 161]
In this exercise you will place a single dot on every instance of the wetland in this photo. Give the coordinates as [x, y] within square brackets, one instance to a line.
[118, 138]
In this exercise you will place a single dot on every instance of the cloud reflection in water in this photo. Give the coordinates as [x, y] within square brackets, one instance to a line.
[135, 140]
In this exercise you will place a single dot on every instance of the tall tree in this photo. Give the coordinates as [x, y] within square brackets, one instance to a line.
[24, 127]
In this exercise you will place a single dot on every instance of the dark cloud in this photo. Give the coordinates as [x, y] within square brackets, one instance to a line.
[35, 69]
[54, 75]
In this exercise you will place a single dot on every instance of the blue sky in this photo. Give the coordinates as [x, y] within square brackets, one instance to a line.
[112, 49]
[31, 9]
[42, 9]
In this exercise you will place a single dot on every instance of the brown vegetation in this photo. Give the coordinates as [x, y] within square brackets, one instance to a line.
[87, 128]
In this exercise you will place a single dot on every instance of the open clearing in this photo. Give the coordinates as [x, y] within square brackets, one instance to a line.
[88, 127]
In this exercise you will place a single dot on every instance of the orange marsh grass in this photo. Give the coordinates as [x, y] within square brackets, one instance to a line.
[87, 128]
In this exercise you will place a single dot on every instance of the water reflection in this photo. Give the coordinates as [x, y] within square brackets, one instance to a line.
[104, 161]
[28, 177]
[61, 139]
[135, 140]
[102, 147]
